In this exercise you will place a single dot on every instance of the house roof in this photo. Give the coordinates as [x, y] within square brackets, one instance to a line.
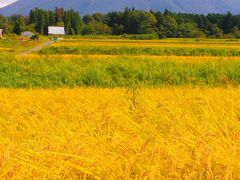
[27, 34]
[56, 30]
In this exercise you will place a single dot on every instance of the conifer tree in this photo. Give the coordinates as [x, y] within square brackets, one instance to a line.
[19, 25]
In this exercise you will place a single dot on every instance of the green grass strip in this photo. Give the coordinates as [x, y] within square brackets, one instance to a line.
[52, 72]
[160, 51]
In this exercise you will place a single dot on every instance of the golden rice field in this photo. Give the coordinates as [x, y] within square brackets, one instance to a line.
[99, 57]
[167, 40]
[5, 49]
[148, 44]
[60, 120]
[89, 133]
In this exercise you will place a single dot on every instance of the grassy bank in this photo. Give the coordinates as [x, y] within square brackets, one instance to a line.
[177, 51]
[52, 72]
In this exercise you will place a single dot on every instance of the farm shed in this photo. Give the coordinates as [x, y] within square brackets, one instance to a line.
[56, 30]
[1, 33]
[27, 34]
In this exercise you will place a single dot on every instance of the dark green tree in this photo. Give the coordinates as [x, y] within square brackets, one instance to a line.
[96, 28]
[59, 14]
[40, 24]
[235, 32]
[189, 30]
[167, 26]
[227, 24]
[72, 22]
[215, 31]
[19, 25]
[88, 19]
[147, 22]
[2, 21]
[33, 16]
[76, 22]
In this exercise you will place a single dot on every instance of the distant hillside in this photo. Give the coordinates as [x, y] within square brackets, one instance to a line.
[92, 6]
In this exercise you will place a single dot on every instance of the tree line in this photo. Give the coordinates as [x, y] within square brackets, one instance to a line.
[131, 21]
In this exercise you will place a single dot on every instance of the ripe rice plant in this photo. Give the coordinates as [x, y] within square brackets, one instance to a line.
[120, 109]
[168, 133]
[178, 59]
[148, 44]
[159, 41]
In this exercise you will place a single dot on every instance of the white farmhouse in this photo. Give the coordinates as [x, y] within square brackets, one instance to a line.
[1, 33]
[56, 30]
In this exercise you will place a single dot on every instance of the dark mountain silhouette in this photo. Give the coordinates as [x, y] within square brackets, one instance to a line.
[92, 6]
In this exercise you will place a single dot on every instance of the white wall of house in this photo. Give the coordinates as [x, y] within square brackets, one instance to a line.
[1, 33]
[56, 30]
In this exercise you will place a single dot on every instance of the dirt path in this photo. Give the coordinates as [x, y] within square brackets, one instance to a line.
[37, 48]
